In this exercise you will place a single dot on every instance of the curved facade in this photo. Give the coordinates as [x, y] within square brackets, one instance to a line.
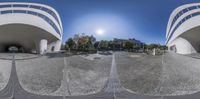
[31, 27]
[183, 29]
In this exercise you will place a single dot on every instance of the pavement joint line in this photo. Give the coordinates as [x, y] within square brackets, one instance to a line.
[66, 76]
[14, 90]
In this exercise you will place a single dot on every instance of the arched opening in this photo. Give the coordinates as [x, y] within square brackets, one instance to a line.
[192, 36]
[173, 48]
[17, 48]
[25, 37]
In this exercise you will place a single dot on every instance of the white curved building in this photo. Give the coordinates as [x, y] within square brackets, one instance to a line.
[31, 27]
[183, 29]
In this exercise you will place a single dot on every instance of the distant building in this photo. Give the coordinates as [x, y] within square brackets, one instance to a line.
[138, 42]
[119, 42]
[183, 29]
[30, 27]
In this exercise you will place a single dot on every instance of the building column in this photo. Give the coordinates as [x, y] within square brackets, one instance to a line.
[41, 46]
[57, 46]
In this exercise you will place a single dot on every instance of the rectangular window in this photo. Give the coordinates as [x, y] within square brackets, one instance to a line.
[40, 15]
[45, 9]
[185, 10]
[48, 11]
[36, 7]
[19, 11]
[194, 14]
[20, 5]
[31, 12]
[189, 16]
[7, 11]
[180, 13]
[192, 8]
[5, 6]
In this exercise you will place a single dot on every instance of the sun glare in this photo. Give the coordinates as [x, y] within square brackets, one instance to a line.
[100, 32]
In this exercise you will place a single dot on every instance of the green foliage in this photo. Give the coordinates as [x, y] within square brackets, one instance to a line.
[63, 47]
[103, 45]
[82, 42]
[128, 45]
[152, 46]
[70, 43]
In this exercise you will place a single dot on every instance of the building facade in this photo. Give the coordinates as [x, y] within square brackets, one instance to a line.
[183, 29]
[31, 27]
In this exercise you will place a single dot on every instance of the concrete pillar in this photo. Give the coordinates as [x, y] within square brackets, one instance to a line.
[57, 45]
[43, 46]
[154, 51]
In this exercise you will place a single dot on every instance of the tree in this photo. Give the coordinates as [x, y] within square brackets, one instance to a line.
[92, 40]
[152, 46]
[103, 45]
[128, 45]
[63, 47]
[70, 44]
[83, 41]
[76, 39]
[96, 45]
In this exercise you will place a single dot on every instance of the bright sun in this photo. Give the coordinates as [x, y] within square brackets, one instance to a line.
[100, 32]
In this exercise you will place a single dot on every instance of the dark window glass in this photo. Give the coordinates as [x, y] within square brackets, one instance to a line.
[45, 9]
[176, 17]
[31, 12]
[40, 15]
[20, 5]
[6, 11]
[194, 14]
[19, 11]
[185, 10]
[188, 17]
[34, 6]
[192, 8]
[182, 21]
[180, 13]
[36, 14]
[50, 12]
[5, 6]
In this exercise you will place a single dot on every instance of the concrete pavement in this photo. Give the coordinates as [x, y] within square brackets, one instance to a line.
[112, 89]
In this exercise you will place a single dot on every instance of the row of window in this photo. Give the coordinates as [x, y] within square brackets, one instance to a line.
[33, 13]
[181, 13]
[35, 7]
[183, 20]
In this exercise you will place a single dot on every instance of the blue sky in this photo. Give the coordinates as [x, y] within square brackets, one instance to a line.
[145, 20]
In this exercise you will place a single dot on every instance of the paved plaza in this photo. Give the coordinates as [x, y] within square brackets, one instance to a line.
[129, 73]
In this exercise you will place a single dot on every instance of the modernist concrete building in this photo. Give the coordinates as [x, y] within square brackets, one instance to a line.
[30, 27]
[183, 29]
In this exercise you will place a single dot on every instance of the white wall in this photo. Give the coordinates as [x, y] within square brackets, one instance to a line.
[175, 12]
[43, 46]
[183, 46]
[35, 21]
[56, 45]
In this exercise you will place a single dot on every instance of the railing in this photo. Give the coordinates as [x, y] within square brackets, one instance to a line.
[181, 13]
[181, 22]
[35, 7]
[48, 20]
